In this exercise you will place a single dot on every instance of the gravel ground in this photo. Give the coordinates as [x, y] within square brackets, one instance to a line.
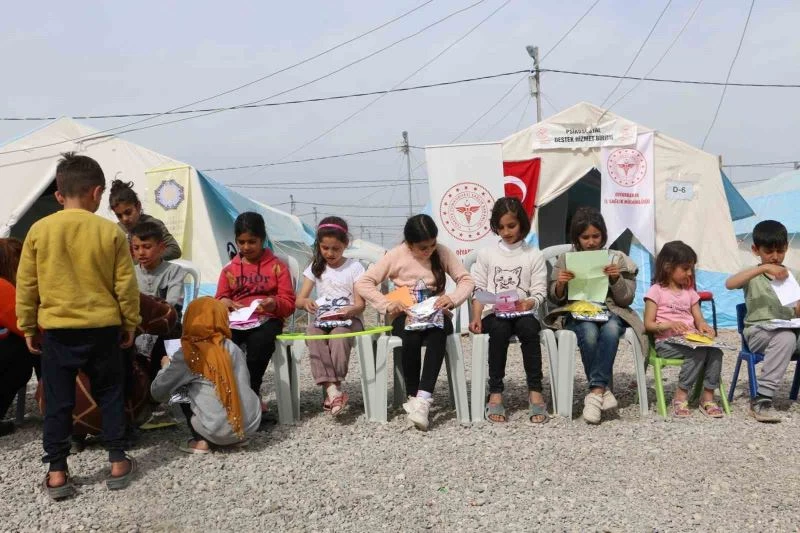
[628, 474]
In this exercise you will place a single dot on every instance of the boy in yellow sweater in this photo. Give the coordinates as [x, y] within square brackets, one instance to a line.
[78, 303]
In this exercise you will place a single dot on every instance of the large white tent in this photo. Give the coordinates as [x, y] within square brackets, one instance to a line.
[703, 222]
[27, 168]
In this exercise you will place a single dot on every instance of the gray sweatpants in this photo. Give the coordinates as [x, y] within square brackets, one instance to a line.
[694, 361]
[778, 346]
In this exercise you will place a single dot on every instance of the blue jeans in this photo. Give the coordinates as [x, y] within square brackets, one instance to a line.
[598, 342]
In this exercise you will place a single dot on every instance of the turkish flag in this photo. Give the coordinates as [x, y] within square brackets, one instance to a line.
[522, 181]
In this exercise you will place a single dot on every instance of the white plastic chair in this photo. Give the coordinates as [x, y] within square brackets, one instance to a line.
[192, 272]
[480, 350]
[565, 368]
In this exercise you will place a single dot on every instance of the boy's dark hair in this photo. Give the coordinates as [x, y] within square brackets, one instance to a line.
[672, 254]
[506, 205]
[10, 252]
[250, 222]
[328, 227]
[581, 220]
[77, 175]
[146, 231]
[770, 234]
[122, 193]
[421, 228]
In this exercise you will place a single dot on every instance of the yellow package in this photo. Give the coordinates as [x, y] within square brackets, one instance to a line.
[698, 338]
[584, 308]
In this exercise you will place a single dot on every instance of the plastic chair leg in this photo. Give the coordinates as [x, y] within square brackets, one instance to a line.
[457, 377]
[366, 363]
[399, 378]
[380, 391]
[295, 354]
[548, 338]
[751, 373]
[567, 344]
[480, 354]
[19, 417]
[661, 402]
[641, 376]
[792, 393]
[283, 388]
[735, 377]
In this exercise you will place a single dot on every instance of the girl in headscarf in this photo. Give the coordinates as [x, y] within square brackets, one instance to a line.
[223, 409]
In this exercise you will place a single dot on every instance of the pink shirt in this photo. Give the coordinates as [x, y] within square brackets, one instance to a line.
[672, 306]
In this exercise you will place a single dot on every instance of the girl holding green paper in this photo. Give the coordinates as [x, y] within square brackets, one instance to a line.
[598, 336]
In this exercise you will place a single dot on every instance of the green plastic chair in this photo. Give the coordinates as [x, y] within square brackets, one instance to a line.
[661, 403]
[288, 352]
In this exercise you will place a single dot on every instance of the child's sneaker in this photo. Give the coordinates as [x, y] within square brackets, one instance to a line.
[419, 411]
[592, 408]
[763, 411]
[609, 401]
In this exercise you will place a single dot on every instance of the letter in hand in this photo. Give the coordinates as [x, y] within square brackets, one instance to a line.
[777, 272]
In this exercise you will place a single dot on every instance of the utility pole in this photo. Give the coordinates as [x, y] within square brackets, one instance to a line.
[291, 204]
[361, 235]
[381, 238]
[315, 216]
[406, 149]
[534, 82]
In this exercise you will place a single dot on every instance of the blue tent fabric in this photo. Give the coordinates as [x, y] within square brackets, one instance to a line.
[737, 205]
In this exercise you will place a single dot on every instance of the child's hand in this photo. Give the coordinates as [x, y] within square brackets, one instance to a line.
[310, 306]
[678, 327]
[127, 339]
[443, 302]
[268, 304]
[230, 304]
[707, 330]
[564, 276]
[612, 271]
[778, 272]
[164, 361]
[349, 312]
[525, 305]
[395, 308]
[475, 326]
[34, 344]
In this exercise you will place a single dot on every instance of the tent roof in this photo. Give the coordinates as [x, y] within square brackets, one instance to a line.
[776, 198]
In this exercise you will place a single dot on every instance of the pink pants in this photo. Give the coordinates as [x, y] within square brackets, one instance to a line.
[329, 359]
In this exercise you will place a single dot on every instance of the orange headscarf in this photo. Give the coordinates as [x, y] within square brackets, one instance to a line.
[205, 328]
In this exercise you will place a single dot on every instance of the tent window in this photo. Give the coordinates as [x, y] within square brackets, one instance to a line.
[556, 217]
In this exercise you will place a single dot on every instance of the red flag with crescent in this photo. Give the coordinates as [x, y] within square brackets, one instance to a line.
[522, 181]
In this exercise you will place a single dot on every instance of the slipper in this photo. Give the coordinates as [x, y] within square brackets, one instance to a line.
[122, 482]
[680, 409]
[537, 409]
[711, 409]
[338, 404]
[495, 409]
[186, 448]
[62, 491]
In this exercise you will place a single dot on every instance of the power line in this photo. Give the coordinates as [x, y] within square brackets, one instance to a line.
[569, 30]
[424, 65]
[316, 183]
[356, 205]
[316, 187]
[728, 77]
[331, 73]
[300, 160]
[766, 164]
[635, 57]
[667, 80]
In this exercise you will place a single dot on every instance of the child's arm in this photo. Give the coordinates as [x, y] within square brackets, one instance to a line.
[455, 269]
[558, 281]
[172, 248]
[480, 275]
[284, 300]
[700, 322]
[303, 301]
[169, 378]
[652, 326]
[175, 290]
[224, 291]
[358, 306]
[737, 281]
[126, 290]
[623, 289]
[538, 283]
[27, 290]
[367, 285]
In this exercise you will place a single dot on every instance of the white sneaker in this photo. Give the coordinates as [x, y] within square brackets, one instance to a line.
[407, 407]
[592, 408]
[420, 410]
[609, 401]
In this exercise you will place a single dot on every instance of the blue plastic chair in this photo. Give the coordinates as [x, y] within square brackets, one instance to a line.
[753, 359]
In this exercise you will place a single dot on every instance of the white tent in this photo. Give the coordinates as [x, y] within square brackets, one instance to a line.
[27, 168]
[703, 222]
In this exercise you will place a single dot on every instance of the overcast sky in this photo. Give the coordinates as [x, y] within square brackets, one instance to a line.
[66, 59]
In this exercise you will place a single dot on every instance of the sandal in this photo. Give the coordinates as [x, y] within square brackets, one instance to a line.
[188, 448]
[537, 409]
[338, 404]
[62, 491]
[495, 409]
[680, 409]
[122, 482]
[711, 409]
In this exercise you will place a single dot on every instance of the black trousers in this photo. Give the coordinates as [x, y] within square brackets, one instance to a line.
[500, 331]
[96, 351]
[435, 341]
[16, 367]
[260, 343]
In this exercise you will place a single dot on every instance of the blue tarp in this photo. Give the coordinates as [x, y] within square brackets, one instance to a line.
[737, 205]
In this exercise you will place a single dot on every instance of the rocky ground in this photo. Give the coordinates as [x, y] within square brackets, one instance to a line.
[346, 474]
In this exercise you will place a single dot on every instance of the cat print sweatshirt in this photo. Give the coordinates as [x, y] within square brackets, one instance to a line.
[519, 266]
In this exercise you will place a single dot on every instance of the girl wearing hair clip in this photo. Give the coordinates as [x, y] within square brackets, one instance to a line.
[337, 309]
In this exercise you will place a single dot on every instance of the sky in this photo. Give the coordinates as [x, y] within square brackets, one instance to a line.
[72, 59]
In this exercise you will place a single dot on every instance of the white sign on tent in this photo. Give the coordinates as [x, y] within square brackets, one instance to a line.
[611, 132]
[626, 191]
[464, 182]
